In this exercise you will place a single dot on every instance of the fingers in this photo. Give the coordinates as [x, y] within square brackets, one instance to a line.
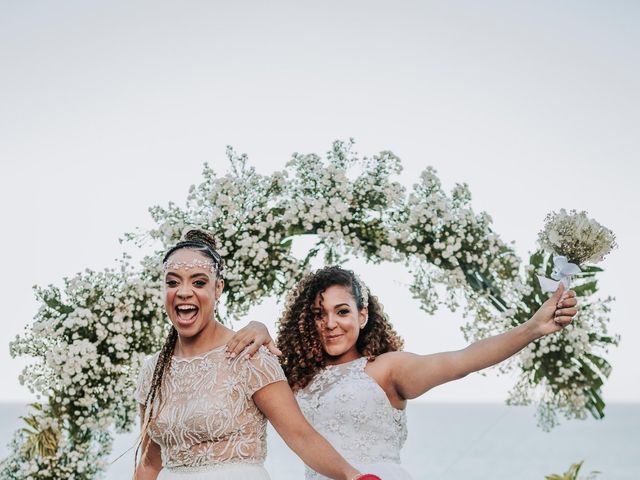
[237, 344]
[566, 312]
[231, 344]
[562, 321]
[563, 316]
[251, 349]
[255, 346]
[248, 346]
[567, 294]
[566, 308]
[249, 340]
[557, 295]
[568, 299]
[567, 303]
[273, 349]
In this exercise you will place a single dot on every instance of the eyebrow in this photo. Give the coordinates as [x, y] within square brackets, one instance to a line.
[199, 274]
[317, 309]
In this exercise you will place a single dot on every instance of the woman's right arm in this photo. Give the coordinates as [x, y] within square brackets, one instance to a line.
[412, 375]
[277, 403]
[150, 459]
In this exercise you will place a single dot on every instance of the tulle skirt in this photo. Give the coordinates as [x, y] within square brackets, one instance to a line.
[235, 471]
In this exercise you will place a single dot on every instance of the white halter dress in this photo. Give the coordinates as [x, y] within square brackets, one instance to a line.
[348, 407]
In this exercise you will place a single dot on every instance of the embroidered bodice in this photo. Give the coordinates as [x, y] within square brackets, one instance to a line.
[348, 407]
[208, 416]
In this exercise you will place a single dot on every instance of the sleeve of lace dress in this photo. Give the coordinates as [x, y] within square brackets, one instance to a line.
[261, 370]
[144, 379]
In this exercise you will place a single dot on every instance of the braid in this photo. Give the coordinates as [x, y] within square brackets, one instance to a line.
[164, 359]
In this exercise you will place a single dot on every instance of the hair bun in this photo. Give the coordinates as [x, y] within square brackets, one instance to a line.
[201, 236]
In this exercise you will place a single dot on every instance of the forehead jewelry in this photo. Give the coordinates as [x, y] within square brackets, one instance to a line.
[196, 263]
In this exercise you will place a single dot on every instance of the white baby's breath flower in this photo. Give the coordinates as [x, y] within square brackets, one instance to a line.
[577, 237]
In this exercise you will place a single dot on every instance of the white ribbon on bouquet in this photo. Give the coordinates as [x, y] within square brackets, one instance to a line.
[562, 272]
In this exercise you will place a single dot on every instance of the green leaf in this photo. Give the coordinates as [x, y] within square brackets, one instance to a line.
[603, 365]
[582, 289]
[591, 269]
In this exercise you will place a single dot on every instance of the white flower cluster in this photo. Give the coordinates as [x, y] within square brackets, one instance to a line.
[574, 235]
[445, 233]
[73, 459]
[90, 338]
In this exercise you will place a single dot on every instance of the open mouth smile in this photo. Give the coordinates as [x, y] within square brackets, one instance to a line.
[186, 314]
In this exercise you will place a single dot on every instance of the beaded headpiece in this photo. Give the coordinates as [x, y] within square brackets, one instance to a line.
[214, 264]
[197, 263]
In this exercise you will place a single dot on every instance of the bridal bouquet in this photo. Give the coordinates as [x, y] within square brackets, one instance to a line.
[574, 240]
[565, 372]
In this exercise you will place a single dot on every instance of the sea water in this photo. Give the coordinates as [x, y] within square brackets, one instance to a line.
[463, 441]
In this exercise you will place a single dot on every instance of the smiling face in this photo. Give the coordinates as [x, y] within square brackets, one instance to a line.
[191, 292]
[338, 322]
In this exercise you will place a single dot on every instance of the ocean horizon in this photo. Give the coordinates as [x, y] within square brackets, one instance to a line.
[458, 441]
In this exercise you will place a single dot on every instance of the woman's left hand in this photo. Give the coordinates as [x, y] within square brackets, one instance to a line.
[251, 337]
[556, 313]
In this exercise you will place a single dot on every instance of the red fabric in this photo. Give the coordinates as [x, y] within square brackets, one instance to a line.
[369, 476]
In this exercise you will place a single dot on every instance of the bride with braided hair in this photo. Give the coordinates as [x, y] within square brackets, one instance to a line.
[342, 359]
[203, 415]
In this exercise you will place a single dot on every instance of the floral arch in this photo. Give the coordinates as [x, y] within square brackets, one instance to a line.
[90, 336]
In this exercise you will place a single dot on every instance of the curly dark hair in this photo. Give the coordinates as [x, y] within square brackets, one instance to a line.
[298, 338]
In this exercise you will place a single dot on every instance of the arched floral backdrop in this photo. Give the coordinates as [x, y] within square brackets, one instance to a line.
[90, 335]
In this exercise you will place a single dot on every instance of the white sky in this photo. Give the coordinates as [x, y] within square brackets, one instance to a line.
[107, 108]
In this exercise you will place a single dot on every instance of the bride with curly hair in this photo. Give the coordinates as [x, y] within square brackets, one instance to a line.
[342, 359]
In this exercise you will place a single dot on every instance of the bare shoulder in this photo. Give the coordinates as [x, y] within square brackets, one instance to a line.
[384, 364]
[383, 369]
[393, 358]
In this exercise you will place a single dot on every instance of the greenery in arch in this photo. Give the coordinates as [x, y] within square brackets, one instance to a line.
[90, 336]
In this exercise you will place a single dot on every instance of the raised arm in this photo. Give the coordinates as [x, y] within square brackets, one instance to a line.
[279, 405]
[412, 375]
[150, 459]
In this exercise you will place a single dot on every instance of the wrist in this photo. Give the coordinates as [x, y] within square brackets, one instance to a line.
[531, 330]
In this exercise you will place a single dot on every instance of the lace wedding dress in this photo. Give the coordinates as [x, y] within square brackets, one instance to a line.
[208, 427]
[348, 407]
